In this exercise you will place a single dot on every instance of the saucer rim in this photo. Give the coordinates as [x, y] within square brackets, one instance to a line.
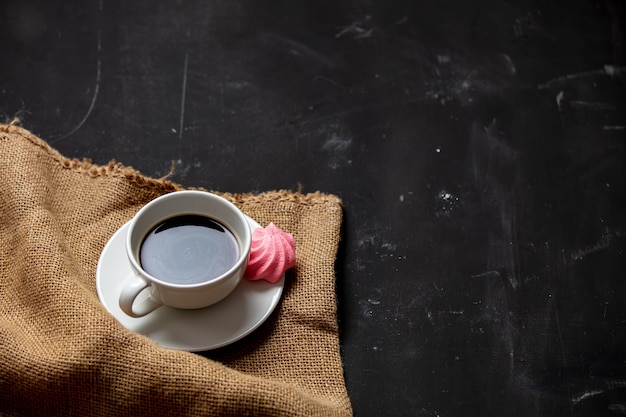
[275, 295]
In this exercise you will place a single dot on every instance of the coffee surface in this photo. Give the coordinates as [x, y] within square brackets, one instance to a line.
[188, 249]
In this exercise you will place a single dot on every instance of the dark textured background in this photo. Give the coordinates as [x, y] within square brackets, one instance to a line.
[478, 148]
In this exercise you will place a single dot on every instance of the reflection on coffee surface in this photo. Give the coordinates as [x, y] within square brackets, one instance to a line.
[188, 249]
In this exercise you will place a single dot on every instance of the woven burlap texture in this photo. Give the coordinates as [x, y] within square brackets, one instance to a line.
[62, 353]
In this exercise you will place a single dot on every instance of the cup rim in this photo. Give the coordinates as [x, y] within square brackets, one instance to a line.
[245, 248]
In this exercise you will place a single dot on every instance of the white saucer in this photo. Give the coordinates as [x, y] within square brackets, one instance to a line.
[233, 318]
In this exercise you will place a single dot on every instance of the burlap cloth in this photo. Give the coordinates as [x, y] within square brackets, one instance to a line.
[62, 353]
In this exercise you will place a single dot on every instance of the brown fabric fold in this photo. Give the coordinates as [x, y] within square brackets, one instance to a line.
[62, 353]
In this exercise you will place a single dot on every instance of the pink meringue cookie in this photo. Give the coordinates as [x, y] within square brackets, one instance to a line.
[272, 252]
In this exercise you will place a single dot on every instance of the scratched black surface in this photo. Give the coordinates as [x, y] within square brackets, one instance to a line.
[478, 148]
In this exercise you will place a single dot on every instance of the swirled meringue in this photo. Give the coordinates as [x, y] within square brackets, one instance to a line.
[272, 252]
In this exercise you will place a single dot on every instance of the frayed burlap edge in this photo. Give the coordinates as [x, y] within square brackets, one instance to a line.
[117, 169]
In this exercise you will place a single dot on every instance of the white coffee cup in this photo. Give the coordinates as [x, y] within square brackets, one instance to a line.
[143, 292]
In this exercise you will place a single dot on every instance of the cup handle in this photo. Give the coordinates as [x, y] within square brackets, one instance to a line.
[132, 287]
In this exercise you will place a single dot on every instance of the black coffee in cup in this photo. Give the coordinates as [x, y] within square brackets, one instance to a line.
[188, 249]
